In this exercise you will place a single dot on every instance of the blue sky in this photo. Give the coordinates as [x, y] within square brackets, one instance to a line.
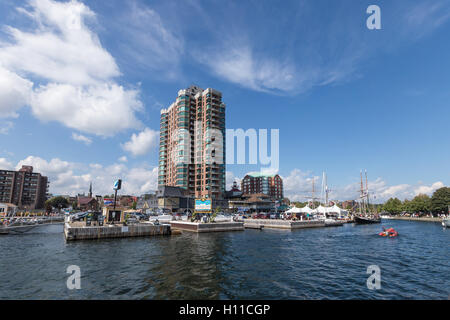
[82, 83]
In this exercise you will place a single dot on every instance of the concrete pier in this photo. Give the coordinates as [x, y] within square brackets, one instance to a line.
[282, 224]
[74, 231]
[207, 227]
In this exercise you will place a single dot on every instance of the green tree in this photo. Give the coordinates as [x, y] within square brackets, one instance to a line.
[48, 207]
[133, 206]
[420, 203]
[406, 206]
[214, 215]
[440, 200]
[393, 206]
[57, 202]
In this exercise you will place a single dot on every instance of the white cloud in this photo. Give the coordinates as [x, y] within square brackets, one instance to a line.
[73, 178]
[76, 72]
[15, 93]
[5, 164]
[101, 110]
[298, 187]
[380, 191]
[81, 138]
[62, 48]
[428, 189]
[40, 165]
[96, 166]
[141, 143]
[123, 159]
[230, 178]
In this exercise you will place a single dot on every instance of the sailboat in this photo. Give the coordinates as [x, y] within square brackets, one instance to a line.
[446, 221]
[329, 222]
[365, 216]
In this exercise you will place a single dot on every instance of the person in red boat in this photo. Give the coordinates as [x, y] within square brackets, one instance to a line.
[391, 232]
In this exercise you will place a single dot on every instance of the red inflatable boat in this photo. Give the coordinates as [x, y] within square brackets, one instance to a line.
[391, 233]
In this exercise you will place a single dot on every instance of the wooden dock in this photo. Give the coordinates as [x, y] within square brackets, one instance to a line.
[76, 231]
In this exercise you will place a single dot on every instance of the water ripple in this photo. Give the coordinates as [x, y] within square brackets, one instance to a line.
[327, 263]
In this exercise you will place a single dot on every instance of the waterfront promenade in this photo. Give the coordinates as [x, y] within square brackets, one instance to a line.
[422, 219]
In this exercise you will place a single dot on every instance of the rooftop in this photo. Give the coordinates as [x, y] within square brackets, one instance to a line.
[260, 174]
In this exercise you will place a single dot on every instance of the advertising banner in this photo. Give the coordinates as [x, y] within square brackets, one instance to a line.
[203, 205]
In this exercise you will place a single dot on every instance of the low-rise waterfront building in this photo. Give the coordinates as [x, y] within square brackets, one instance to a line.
[174, 199]
[258, 202]
[258, 183]
[126, 200]
[7, 209]
[147, 202]
[348, 204]
[87, 203]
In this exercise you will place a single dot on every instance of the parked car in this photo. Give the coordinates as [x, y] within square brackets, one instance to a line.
[78, 216]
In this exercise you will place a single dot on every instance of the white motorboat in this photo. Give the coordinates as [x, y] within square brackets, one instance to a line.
[162, 218]
[446, 223]
[223, 218]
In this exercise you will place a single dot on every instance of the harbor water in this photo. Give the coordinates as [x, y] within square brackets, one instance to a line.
[319, 263]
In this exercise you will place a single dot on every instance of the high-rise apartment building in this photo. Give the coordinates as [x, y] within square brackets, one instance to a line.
[192, 143]
[271, 185]
[24, 188]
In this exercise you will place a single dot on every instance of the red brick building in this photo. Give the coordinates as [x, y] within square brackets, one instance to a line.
[24, 188]
[255, 183]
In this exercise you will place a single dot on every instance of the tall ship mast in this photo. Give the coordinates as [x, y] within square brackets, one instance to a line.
[365, 216]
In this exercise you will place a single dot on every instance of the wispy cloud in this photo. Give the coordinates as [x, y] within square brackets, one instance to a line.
[424, 17]
[239, 65]
[307, 48]
[5, 126]
[149, 41]
[79, 137]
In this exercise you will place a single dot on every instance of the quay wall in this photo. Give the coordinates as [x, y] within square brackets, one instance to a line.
[423, 219]
[207, 227]
[283, 224]
[116, 231]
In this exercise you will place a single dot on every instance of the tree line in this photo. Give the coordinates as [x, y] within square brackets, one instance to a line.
[438, 203]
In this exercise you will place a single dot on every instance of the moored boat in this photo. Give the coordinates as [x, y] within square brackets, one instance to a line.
[446, 223]
[162, 218]
[365, 215]
[332, 223]
[366, 220]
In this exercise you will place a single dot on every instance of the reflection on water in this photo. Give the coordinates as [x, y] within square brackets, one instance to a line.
[327, 263]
